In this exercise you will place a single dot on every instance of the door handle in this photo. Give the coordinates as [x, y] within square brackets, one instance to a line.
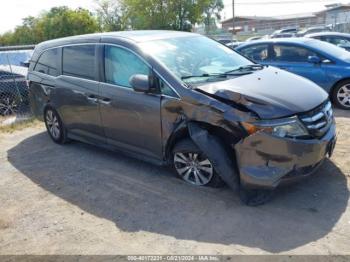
[105, 101]
[92, 98]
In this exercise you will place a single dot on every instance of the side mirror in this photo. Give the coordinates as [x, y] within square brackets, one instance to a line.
[25, 64]
[140, 83]
[314, 60]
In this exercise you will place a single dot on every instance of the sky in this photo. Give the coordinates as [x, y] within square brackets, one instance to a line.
[13, 11]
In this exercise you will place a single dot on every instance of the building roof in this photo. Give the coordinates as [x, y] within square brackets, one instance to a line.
[292, 16]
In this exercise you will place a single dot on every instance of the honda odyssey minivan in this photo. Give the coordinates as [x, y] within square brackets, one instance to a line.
[181, 99]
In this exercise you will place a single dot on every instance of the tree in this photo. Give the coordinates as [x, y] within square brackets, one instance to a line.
[58, 22]
[212, 9]
[110, 15]
[62, 21]
[169, 14]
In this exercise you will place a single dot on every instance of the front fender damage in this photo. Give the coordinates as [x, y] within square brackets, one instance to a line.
[215, 151]
[224, 165]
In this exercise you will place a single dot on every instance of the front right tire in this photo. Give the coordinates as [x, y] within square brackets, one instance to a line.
[193, 166]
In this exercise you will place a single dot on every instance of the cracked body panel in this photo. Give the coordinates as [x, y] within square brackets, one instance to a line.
[266, 161]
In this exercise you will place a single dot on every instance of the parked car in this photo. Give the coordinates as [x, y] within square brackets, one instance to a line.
[253, 38]
[321, 62]
[226, 41]
[234, 45]
[13, 90]
[312, 30]
[183, 99]
[13, 87]
[339, 39]
[283, 35]
[289, 30]
[16, 58]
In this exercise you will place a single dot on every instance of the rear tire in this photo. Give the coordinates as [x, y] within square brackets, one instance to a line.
[193, 166]
[341, 95]
[55, 126]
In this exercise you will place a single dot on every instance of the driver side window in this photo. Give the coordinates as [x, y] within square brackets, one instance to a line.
[257, 53]
[121, 65]
[290, 53]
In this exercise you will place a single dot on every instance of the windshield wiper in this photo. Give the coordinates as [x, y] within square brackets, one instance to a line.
[217, 75]
[204, 75]
[238, 71]
[251, 67]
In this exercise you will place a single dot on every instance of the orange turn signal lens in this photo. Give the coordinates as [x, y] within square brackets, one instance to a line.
[251, 129]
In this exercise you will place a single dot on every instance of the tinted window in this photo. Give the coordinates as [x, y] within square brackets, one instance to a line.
[47, 63]
[121, 65]
[79, 61]
[332, 50]
[289, 53]
[257, 53]
[338, 41]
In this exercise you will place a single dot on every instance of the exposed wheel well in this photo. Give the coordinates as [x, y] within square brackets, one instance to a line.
[226, 137]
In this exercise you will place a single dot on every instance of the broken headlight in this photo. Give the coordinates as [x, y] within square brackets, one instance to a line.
[288, 127]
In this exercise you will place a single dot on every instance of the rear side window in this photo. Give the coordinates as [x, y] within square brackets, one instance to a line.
[257, 53]
[47, 63]
[289, 53]
[339, 41]
[79, 61]
[121, 65]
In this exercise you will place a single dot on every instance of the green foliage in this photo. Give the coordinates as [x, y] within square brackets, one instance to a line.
[116, 15]
[169, 14]
[110, 15]
[58, 22]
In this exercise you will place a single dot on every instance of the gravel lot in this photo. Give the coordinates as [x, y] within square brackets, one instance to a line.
[77, 199]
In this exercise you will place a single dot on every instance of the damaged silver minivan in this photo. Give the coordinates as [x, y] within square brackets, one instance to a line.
[183, 99]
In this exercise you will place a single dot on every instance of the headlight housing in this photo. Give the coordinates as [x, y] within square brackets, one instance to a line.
[288, 127]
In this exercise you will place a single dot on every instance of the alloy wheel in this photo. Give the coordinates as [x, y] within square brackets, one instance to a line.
[8, 106]
[194, 168]
[343, 95]
[53, 124]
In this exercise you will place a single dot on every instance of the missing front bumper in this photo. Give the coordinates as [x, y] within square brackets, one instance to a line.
[266, 161]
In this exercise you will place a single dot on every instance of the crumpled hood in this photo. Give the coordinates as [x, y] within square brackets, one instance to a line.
[270, 92]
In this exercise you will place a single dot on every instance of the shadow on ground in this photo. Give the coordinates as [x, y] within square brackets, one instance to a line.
[137, 196]
[341, 113]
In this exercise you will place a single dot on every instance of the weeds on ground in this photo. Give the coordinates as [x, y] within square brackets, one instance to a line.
[20, 125]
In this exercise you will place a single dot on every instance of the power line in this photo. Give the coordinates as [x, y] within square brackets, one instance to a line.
[281, 2]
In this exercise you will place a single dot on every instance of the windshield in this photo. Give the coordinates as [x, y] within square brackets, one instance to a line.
[332, 50]
[194, 56]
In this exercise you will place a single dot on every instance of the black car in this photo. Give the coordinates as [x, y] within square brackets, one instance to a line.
[13, 86]
[339, 39]
[181, 99]
[14, 96]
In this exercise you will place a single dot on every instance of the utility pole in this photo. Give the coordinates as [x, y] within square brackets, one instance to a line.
[233, 18]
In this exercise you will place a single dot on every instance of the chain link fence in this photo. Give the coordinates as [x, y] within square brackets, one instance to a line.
[14, 96]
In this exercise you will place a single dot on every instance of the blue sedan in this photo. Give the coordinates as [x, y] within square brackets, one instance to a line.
[323, 63]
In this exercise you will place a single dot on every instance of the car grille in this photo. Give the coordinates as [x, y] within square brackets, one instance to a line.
[319, 120]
